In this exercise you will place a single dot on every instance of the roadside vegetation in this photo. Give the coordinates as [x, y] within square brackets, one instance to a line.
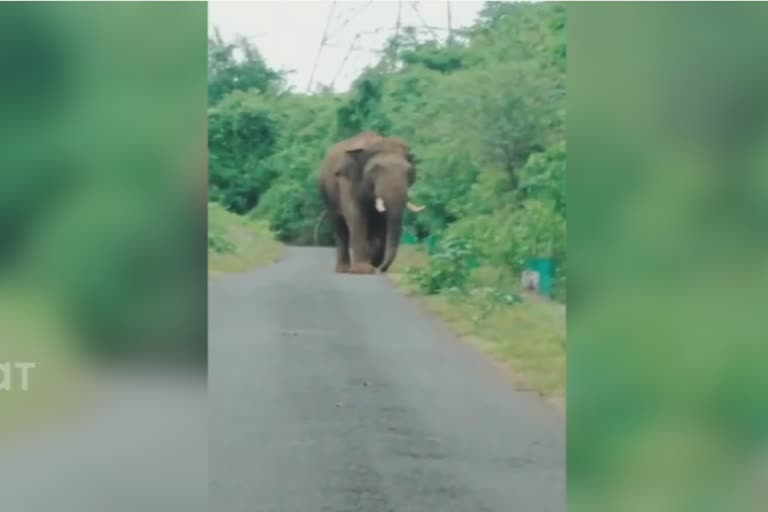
[524, 331]
[484, 113]
[237, 243]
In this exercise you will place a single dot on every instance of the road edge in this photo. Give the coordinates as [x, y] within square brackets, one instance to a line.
[482, 347]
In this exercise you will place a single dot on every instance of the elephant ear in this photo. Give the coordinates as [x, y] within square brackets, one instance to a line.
[359, 154]
[358, 157]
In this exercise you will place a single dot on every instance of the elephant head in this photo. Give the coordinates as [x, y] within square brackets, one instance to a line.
[383, 170]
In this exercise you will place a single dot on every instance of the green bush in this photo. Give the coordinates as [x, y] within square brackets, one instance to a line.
[218, 241]
[285, 206]
[506, 240]
[488, 299]
[534, 231]
[448, 269]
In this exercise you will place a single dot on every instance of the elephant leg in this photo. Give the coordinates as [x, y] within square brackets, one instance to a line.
[376, 237]
[342, 245]
[361, 259]
[377, 251]
[358, 239]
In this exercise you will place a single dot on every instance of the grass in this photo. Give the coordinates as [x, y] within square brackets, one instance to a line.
[528, 337]
[237, 243]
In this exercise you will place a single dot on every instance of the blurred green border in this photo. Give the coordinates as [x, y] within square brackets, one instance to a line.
[102, 194]
[667, 191]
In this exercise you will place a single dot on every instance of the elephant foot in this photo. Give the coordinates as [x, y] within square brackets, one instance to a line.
[342, 268]
[362, 268]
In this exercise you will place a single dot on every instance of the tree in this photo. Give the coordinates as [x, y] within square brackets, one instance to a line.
[227, 73]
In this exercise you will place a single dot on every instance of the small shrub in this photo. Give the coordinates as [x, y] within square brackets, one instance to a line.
[218, 242]
[488, 299]
[448, 268]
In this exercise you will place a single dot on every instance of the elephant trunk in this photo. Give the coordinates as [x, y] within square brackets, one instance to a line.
[394, 230]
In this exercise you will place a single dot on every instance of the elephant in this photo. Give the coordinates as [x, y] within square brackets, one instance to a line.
[364, 182]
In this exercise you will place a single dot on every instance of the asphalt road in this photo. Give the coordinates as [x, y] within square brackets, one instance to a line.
[336, 393]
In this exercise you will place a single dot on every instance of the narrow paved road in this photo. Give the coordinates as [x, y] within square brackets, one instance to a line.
[336, 393]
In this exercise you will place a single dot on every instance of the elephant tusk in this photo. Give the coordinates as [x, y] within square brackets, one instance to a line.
[380, 206]
[414, 207]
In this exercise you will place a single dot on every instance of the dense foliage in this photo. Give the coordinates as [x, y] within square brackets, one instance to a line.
[237, 243]
[483, 112]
